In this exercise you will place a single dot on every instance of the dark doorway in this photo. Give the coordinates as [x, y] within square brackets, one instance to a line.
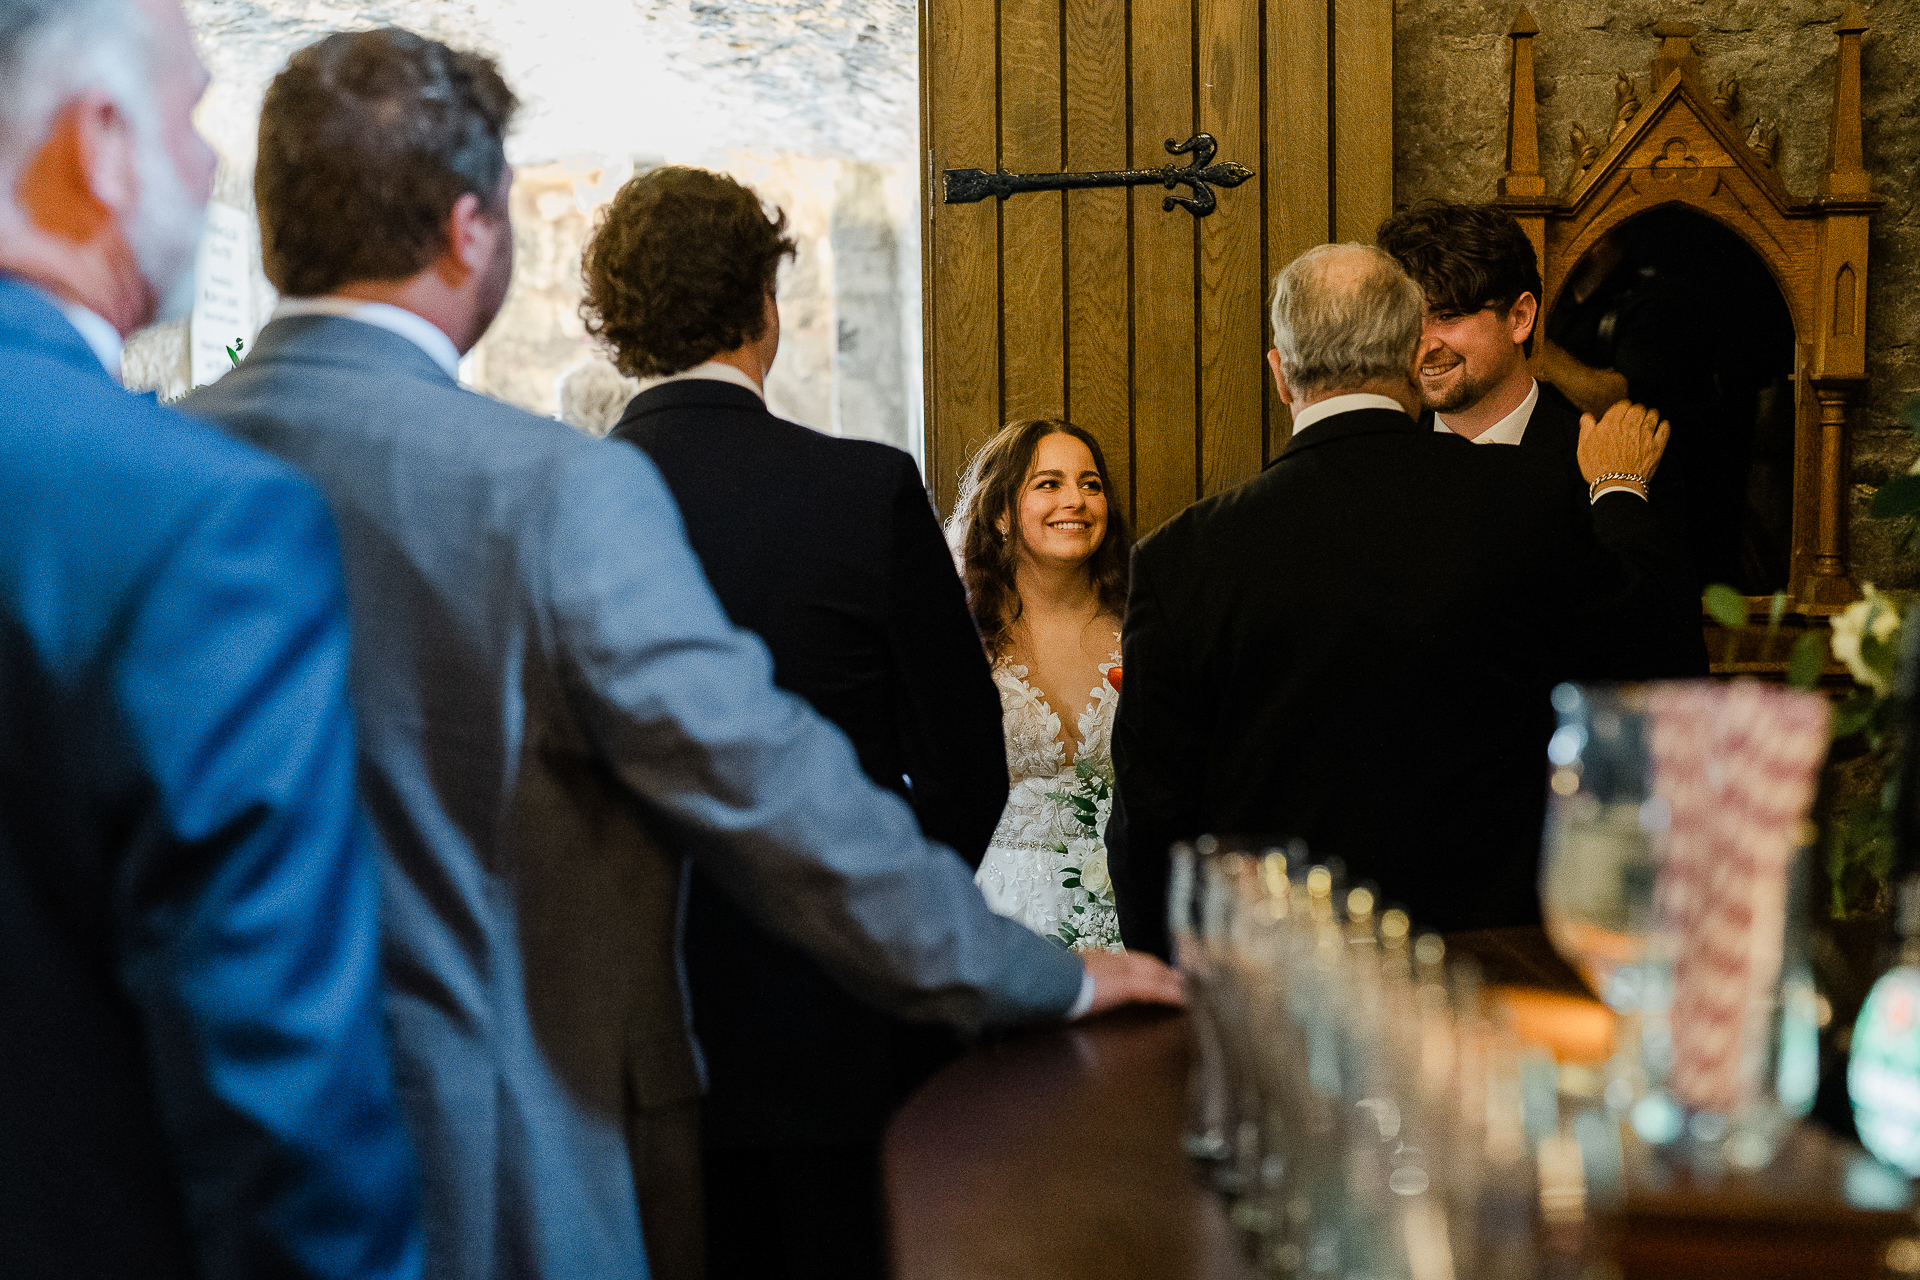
[1690, 315]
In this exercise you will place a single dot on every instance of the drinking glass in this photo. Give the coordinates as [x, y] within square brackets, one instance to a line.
[1603, 839]
[1610, 911]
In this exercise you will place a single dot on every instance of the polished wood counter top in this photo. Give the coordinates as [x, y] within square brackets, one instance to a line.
[1055, 1155]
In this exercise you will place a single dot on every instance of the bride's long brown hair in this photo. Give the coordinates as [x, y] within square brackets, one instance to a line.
[990, 491]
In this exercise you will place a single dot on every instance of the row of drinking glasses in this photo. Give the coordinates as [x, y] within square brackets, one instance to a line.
[1363, 1110]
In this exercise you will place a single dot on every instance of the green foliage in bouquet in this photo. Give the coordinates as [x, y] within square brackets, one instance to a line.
[1729, 608]
[1858, 839]
[1095, 924]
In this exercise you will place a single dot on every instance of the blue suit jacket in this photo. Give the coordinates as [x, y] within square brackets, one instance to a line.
[193, 1071]
[553, 710]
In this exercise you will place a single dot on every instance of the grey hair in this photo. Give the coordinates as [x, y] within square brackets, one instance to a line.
[1343, 315]
[51, 51]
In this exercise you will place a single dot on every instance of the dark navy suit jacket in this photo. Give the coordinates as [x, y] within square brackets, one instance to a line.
[1356, 647]
[194, 1077]
[829, 551]
[1673, 646]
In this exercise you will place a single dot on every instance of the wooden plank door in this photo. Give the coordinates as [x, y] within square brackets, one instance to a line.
[1145, 326]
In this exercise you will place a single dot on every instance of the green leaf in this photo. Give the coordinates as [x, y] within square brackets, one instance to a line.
[1727, 606]
[1854, 714]
[1899, 496]
[1809, 658]
[1881, 655]
[1777, 610]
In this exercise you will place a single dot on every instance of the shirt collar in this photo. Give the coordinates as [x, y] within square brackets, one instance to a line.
[1322, 409]
[711, 371]
[101, 338]
[1509, 429]
[418, 330]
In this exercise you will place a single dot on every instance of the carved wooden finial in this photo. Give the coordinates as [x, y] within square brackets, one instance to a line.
[1523, 129]
[1676, 52]
[1726, 99]
[1581, 143]
[1846, 173]
[1626, 104]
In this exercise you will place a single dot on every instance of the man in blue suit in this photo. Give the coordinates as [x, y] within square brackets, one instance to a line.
[555, 713]
[194, 1079]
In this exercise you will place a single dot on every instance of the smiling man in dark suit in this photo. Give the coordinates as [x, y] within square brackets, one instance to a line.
[1356, 647]
[1475, 373]
[829, 550]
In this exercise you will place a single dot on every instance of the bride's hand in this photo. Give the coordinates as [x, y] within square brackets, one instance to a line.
[1132, 977]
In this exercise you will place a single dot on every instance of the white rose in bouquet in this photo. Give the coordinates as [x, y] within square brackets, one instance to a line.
[1093, 867]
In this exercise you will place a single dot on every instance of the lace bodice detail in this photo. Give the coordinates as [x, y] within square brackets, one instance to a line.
[1036, 752]
[1022, 873]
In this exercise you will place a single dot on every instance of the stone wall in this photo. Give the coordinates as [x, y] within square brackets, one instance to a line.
[845, 300]
[1451, 66]
[813, 104]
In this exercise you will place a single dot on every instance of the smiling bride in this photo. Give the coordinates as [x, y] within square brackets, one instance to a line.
[1044, 558]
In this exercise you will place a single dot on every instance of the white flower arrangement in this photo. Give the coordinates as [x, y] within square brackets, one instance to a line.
[1094, 925]
[1863, 638]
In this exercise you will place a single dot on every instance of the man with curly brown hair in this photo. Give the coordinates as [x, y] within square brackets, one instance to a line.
[828, 550]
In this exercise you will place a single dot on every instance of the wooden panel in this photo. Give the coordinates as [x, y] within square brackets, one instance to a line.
[1099, 300]
[1231, 289]
[1362, 117]
[1165, 447]
[963, 297]
[1146, 327]
[1032, 281]
[1298, 174]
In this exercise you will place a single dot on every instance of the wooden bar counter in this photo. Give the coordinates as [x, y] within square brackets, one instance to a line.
[1056, 1155]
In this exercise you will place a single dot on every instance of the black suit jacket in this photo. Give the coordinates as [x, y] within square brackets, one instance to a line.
[829, 550]
[1674, 645]
[1356, 648]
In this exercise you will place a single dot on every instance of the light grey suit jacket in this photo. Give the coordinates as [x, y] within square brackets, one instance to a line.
[553, 709]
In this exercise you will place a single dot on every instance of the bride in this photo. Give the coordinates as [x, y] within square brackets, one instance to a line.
[1044, 559]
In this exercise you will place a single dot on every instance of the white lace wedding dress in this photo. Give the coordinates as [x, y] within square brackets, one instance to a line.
[1022, 875]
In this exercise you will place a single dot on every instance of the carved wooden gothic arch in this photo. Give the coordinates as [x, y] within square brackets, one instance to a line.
[1683, 146]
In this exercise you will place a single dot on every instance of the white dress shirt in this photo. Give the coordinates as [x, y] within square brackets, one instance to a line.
[1319, 409]
[1509, 429]
[101, 338]
[711, 371]
[421, 332]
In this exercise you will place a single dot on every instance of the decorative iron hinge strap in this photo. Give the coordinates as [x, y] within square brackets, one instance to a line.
[965, 186]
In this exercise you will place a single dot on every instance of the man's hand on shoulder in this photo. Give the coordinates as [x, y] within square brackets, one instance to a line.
[1623, 448]
[1132, 977]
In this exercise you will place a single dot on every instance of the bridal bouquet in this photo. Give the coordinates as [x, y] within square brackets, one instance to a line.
[1093, 924]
